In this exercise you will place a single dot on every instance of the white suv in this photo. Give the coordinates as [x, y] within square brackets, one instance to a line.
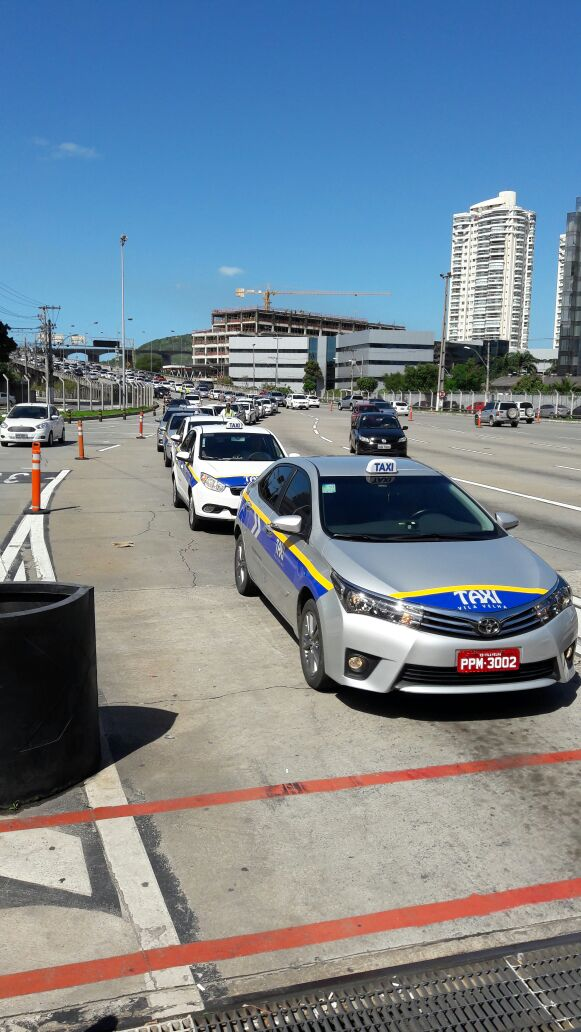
[297, 401]
[526, 411]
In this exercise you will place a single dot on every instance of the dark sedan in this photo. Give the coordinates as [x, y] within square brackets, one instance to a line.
[378, 434]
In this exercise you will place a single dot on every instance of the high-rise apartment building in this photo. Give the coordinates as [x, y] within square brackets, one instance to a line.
[569, 360]
[492, 269]
[559, 298]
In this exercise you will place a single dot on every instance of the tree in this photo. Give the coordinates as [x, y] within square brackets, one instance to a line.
[394, 381]
[313, 378]
[513, 362]
[530, 383]
[422, 378]
[367, 383]
[7, 344]
[564, 386]
[151, 362]
[466, 376]
[225, 381]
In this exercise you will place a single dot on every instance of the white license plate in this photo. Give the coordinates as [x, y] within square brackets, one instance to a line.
[21, 437]
[384, 447]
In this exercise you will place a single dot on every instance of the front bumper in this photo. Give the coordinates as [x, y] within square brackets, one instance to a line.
[216, 505]
[397, 449]
[20, 437]
[420, 662]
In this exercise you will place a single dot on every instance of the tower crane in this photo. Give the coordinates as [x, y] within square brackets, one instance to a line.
[268, 292]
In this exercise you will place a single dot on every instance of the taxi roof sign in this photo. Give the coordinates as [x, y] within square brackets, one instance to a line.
[381, 467]
[234, 424]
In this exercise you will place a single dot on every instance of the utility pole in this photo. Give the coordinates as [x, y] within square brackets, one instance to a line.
[446, 276]
[47, 328]
[487, 370]
[123, 241]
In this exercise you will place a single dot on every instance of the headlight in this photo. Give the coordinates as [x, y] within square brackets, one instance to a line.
[41, 426]
[555, 602]
[211, 483]
[401, 439]
[358, 600]
[366, 439]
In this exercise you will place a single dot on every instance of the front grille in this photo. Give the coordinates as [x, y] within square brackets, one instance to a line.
[440, 621]
[449, 676]
[21, 429]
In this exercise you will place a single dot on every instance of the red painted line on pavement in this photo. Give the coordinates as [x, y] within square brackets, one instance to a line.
[64, 976]
[292, 788]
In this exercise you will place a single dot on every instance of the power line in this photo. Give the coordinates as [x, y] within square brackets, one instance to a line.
[17, 295]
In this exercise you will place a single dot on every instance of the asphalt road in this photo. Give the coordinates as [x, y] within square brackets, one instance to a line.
[202, 693]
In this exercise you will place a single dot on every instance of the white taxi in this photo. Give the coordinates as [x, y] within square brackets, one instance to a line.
[215, 464]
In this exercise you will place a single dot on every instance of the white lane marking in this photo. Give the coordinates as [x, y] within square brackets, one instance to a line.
[576, 468]
[109, 448]
[471, 451]
[149, 435]
[345, 448]
[327, 439]
[517, 494]
[51, 487]
[20, 574]
[46, 857]
[134, 877]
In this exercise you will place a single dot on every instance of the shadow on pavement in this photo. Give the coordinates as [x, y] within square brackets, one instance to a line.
[456, 708]
[129, 728]
[106, 1024]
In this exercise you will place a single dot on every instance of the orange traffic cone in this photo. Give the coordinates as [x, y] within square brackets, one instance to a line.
[411, 414]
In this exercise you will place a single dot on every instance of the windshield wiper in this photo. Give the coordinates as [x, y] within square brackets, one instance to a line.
[360, 537]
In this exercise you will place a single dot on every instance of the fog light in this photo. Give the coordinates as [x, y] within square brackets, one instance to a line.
[356, 663]
[570, 652]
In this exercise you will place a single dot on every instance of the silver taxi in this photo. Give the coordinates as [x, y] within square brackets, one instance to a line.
[395, 579]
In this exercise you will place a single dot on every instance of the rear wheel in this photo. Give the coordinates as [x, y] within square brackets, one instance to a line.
[244, 583]
[63, 436]
[491, 421]
[514, 422]
[193, 518]
[529, 421]
[311, 648]
[166, 459]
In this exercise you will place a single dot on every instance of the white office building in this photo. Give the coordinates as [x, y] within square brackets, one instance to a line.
[377, 352]
[279, 360]
[559, 298]
[492, 269]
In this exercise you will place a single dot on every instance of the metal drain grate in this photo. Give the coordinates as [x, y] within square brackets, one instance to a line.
[538, 990]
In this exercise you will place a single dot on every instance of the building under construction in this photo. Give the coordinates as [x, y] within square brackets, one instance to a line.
[211, 350]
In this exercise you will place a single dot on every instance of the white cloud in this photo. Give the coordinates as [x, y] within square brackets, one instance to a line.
[230, 270]
[74, 150]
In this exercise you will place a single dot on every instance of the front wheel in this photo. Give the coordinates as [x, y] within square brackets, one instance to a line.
[193, 518]
[177, 502]
[166, 460]
[244, 583]
[50, 440]
[311, 648]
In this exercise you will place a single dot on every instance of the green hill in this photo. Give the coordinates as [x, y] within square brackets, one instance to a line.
[174, 350]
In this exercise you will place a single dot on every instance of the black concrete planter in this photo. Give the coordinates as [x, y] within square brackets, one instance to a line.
[49, 719]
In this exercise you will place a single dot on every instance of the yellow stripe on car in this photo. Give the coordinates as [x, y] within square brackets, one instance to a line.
[322, 580]
[468, 587]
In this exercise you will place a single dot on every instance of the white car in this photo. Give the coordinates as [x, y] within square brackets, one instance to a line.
[314, 402]
[173, 441]
[297, 401]
[401, 407]
[215, 464]
[32, 422]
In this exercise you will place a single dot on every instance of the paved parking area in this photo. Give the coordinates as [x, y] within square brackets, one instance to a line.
[247, 833]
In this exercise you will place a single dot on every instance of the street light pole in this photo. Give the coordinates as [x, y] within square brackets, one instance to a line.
[485, 364]
[123, 241]
[446, 276]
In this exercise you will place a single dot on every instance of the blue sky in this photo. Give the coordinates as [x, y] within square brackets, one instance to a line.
[319, 144]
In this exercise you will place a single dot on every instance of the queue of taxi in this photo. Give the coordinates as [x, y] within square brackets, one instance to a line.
[392, 577]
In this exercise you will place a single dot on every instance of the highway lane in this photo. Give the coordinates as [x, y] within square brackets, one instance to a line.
[202, 693]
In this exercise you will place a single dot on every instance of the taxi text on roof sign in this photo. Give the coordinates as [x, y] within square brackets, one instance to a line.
[234, 424]
[381, 467]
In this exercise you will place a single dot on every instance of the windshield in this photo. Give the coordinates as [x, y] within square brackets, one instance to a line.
[232, 447]
[422, 508]
[28, 412]
[176, 420]
[376, 422]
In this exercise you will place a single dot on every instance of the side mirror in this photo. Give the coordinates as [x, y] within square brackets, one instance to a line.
[294, 455]
[287, 524]
[184, 455]
[405, 427]
[507, 520]
[176, 438]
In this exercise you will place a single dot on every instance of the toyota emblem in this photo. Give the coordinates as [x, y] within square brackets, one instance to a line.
[488, 627]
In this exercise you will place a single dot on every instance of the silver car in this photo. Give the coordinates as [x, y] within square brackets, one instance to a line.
[395, 579]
